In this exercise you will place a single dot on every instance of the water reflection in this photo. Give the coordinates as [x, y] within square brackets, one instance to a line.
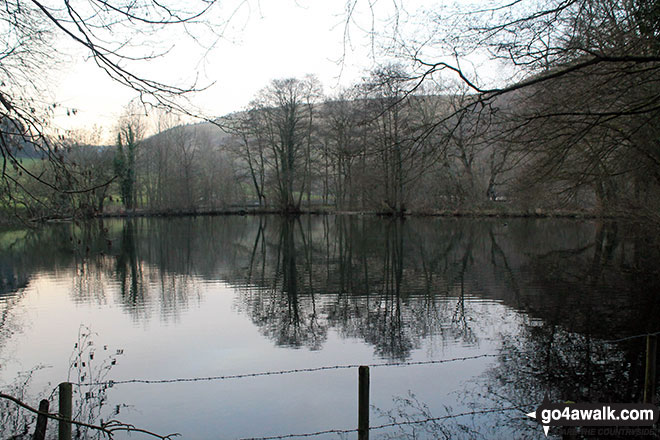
[372, 280]
[391, 283]
[366, 276]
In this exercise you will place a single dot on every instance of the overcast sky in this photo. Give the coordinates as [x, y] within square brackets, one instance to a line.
[273, 39]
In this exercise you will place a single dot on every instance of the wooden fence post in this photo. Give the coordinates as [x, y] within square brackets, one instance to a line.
[363, 403]
[42, 421]
[649, 379]
[65, 410]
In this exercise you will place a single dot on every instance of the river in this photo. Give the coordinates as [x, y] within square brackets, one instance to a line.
[480, 317]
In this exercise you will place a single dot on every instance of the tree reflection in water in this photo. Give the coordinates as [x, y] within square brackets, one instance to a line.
[392, 283]
[351, 276]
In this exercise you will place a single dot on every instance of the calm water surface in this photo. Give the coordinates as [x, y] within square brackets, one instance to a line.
[214, 296]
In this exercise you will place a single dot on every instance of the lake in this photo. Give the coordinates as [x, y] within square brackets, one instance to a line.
[509, 308]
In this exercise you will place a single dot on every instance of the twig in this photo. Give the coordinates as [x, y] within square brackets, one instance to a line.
[108, 428]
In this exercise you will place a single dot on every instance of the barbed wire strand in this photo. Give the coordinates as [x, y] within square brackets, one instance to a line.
[307, 434]
[450, 416]
[283, 372]
[387, 425]
[627, 338]
[313, 369]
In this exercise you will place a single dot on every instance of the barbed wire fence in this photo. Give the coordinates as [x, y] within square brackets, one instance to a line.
[112, 426]
[283, 372]
[393, 424]
[109, 428]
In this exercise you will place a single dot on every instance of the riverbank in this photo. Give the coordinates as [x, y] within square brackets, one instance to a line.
[484, 212]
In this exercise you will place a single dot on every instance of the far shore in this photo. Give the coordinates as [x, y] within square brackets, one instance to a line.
[500, 212]
[458, 212]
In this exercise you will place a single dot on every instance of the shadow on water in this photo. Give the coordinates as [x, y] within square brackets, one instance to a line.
[392, 283]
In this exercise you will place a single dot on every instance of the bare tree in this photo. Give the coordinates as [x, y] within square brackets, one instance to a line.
[91, 163]
[580, 90]
[284, 113]
[342, 147]
[399, 141]
[110, 32]
[249, 146]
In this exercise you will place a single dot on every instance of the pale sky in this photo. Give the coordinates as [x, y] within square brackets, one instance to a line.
[273, 39]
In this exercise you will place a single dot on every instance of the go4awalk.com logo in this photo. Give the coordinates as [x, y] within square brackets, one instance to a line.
[594, 414]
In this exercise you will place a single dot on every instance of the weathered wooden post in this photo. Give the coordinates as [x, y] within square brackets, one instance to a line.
[363, 403]
[42, 421]
[649, 379]
[65, 410]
